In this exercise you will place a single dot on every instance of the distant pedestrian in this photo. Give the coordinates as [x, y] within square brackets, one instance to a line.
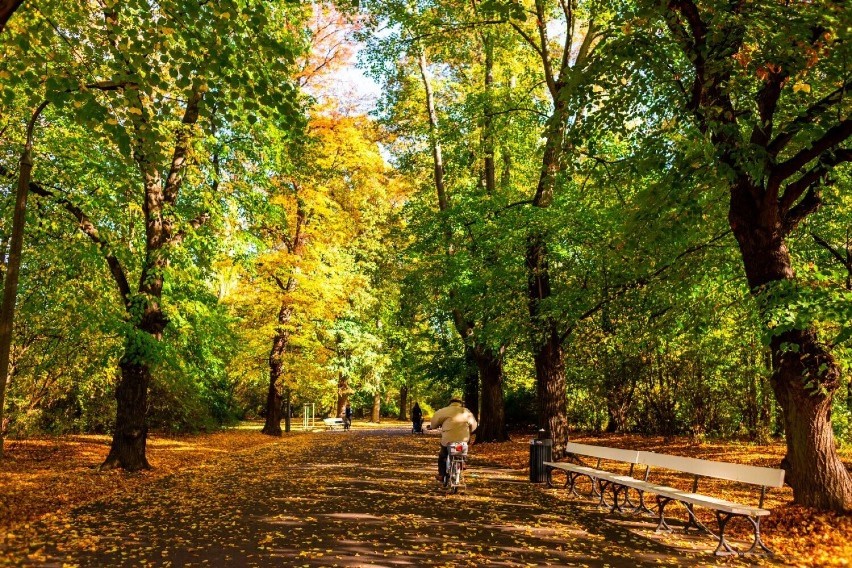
[347, 417]
[416, 419]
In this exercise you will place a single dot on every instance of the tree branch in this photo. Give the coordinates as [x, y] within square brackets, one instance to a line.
[835, 135]
[621, 290]
[182, 145]
[834, 252]
[87, 227]
[809, 116]
[767, 102]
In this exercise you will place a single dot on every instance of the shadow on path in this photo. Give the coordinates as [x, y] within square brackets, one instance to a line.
[360, 498]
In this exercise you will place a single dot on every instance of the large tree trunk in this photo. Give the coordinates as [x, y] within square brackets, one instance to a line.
[342, 392]
[272, 426]
[7, 8]
[131, 430]
[274, 406]
[551, 393]
[377, 407]
[471, 381]
[403, 402]
[805, 375]
[814, 470]
[492, 418]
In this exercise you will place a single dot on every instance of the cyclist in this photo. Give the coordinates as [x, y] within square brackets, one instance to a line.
[457, 424]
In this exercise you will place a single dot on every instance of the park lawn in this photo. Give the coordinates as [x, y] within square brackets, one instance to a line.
[46, 476]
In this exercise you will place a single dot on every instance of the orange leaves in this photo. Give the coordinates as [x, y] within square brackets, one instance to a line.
[359, 499]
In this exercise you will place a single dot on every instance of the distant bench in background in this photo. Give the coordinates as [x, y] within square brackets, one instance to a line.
[621, 484]
[332, 423]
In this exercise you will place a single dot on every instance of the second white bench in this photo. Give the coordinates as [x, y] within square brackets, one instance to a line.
[621, 484]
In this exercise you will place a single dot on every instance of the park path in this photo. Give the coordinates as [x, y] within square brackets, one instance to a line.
[347, 499]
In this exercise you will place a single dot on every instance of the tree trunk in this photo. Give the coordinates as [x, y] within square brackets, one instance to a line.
[377, 407]
[492, 419]
[7, 8]
[805, 375]
[814, 470]
[551, 393]
[10, 285]
[131, 430]
[272, 426]
[471, 381]
[403, 402]
[288, 410]
[342, 392]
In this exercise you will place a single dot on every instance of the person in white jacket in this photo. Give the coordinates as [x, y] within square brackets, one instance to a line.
[457, 424]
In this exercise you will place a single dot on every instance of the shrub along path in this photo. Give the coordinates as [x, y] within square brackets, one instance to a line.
[360, 498]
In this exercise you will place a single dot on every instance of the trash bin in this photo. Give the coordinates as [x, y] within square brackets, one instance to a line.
[541, 450]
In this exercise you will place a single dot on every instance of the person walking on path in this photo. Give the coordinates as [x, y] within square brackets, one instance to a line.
[347, 417]
[457, 424]
[417, 419]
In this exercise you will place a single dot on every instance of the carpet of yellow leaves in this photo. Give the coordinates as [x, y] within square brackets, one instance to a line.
[50, 475]
[803, 536]
[43, 479]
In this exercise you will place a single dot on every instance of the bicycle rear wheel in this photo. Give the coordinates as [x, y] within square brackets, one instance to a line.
[455, 476]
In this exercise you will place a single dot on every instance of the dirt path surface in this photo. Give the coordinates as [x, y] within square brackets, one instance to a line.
[347, 499]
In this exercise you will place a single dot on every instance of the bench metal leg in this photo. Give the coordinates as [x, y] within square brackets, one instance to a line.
[724, 549]
[616, 506]
[693, 522]
[627, 501]
[603, 485]
[572, 482]
[757, 545]
[642, 508]
[549, 478]
[663, 526]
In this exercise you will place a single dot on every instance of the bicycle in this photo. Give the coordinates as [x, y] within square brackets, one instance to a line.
[456, 463]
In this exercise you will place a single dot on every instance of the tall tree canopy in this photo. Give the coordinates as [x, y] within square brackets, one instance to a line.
[595, 214]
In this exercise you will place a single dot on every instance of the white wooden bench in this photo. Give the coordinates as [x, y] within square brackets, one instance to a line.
[724, 510]
[332, 423]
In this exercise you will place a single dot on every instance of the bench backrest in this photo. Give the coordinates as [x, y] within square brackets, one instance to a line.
[765, 476]
[601, 452]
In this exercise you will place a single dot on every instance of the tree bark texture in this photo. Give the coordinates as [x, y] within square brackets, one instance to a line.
[7, 8]
[492, 416]
[805, 374]
[131, 431]
[403, 402]
[377, 408]
[471, 381]
[10, 283]
[342, 392]
[296, 245]
[551, 392]
[272, 424]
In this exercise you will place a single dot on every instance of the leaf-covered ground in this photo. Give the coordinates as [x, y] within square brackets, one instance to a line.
[361, 498]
